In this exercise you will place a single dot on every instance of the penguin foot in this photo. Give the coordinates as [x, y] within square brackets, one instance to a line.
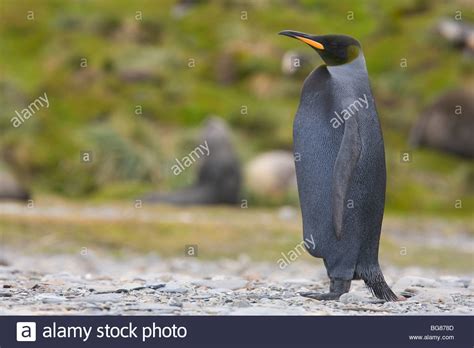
[329, 296]
[336, 289]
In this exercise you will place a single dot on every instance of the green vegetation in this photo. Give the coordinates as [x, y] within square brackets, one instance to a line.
[97, 63]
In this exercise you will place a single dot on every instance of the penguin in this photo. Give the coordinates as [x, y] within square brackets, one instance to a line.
[340, 166]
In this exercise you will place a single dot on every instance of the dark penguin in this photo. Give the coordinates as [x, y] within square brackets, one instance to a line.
[340, 166]
[219, 176]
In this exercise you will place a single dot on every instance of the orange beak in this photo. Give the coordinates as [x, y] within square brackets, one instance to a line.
[303, 37]
[310, 42]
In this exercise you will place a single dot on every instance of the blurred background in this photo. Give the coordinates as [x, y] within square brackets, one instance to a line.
[132, 83]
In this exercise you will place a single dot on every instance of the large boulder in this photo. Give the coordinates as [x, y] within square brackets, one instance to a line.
[447, 124]
[271, 174]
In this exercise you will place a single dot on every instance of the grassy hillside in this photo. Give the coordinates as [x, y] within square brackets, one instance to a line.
[100, 66]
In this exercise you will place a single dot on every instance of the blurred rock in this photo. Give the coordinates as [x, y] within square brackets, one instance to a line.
[292, 61]
[174, 287]
[458, 33]
[355, 297]
[447, 124]
[413, 281]
[432, 296]
[272, 173]
[287, 213]
[50, 298]
[226, 283]
[174, 302]
[10, 188]
[455, 282]
[241, 304]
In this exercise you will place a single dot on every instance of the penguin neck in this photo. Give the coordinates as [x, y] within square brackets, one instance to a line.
[357, 64]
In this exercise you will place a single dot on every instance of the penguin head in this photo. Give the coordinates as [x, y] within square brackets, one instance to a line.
[333, 49]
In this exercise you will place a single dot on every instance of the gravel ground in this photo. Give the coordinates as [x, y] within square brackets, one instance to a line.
[149, 285]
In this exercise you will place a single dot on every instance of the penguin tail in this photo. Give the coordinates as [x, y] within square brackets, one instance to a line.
[375, 281]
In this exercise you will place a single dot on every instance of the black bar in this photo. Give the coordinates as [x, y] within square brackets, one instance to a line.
[284, 331]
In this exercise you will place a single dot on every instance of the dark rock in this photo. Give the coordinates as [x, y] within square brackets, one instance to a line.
[11, 189]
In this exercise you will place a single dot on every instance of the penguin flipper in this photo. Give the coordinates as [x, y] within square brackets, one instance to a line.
[346, 161]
